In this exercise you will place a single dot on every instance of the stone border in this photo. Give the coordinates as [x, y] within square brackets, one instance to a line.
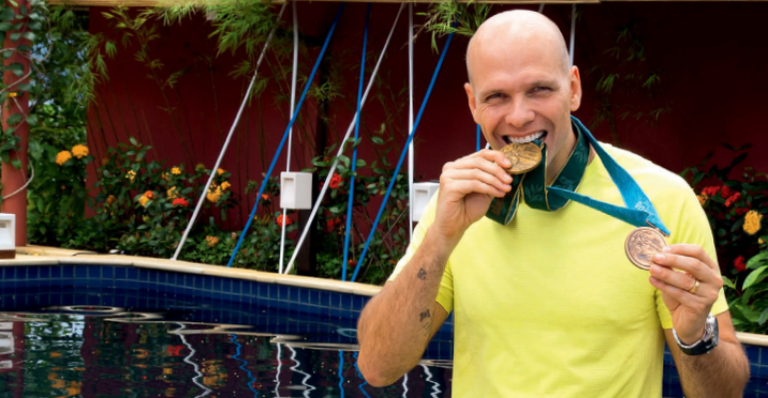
[40, 255]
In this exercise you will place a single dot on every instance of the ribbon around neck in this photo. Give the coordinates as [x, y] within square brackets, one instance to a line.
[532, 187]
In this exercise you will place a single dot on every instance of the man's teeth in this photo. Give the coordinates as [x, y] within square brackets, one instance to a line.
[527, 138]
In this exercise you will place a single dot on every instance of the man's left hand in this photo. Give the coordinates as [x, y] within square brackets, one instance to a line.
[675, 272]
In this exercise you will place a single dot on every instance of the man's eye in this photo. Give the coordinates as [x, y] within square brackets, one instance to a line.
[493, 96]
[541, 89]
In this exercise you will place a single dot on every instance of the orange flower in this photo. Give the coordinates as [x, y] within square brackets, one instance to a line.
[225, 185]
[62, 157]
[149, 194]
[282, 219]
[220, 171]
[264, 196]
[211, 241]
[143, 200]
[80, 151]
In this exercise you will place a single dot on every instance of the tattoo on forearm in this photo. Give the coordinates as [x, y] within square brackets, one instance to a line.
[422, 274]
[426, 325]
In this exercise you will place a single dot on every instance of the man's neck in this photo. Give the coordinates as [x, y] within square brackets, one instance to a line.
[561, 159]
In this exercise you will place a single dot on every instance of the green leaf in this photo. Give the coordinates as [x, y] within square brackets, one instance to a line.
[360, 163]
[377, 140]
[763, 317]
[16, 163]
[29, 36]
[32, 120]
[757, 260]
[727, 282]
[6, 14]
[5, 26]
[15, 36]
[753, 276]
[16, 68]
[14, 119]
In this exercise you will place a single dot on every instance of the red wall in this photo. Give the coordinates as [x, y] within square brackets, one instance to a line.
[710, 57]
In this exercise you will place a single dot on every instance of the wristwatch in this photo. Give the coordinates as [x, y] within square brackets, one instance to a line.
[706, 343]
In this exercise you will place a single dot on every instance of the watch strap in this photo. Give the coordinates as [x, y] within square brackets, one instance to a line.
[706, 344]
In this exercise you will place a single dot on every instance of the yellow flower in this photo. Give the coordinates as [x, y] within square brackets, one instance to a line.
[214, 194]
[172, 193]
[62, 157]
[702, 199]
[130, 175]
[220, 171]
[111, 199]
[143, 200]
[752, 222]
[12, 95]
[211, 241]
[760, 241]
[176, 170]
[80, 151]
[225, 185]
[164, 176]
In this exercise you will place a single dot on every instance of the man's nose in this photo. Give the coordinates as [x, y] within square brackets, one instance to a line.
[519, 114]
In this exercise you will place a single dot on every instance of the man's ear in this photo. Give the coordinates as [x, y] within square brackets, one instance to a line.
[576, 93]
[471, 100]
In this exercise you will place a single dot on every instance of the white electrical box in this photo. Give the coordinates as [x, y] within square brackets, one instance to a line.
[422, 193]
[295, 190]
[7, 232]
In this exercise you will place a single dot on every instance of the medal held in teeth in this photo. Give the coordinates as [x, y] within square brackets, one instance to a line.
[523, 156]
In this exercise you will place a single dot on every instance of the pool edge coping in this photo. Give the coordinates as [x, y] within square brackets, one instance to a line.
[43, 255]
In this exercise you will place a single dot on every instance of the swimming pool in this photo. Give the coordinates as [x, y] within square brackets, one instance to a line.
[94, 326]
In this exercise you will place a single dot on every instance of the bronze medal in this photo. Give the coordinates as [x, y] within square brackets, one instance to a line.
[524, 157]
[642, 244]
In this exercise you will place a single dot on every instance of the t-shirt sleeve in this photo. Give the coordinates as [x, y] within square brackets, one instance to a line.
[445, 293]
[692, 227]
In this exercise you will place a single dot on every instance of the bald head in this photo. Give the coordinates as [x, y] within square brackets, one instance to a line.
[517, 33]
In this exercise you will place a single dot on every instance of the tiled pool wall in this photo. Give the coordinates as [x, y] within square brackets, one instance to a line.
[25, 287]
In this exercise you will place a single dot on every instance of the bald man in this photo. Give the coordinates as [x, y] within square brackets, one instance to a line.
[549, 305]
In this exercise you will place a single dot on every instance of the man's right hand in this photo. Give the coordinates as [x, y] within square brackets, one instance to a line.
[467, 187]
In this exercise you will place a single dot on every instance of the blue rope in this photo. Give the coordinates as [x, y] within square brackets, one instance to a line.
[402, 156]
[285, 135]
[251, 379]
[350, 200]
[360, 375]
[478, 139]
[341, 366]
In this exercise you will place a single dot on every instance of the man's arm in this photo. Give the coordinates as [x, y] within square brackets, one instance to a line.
[722, 373]
[396, 325]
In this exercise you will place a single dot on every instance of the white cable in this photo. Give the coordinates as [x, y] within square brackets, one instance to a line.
[296, 369]
[279, 365]
[290, 133]
[405, 385]
[541, 8]
[410, 121]
[343, 144]
[188, 360]
[573, 31]
[435, 385]
[229, 138]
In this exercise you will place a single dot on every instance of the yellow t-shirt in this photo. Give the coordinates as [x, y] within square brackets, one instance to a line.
[550, 306]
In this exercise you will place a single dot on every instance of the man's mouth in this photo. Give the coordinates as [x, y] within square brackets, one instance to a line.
[526, 138]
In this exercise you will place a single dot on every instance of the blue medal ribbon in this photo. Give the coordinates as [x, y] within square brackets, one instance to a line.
[639, 210]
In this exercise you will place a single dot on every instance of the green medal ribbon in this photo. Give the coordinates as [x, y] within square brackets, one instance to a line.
[533, 185]
[639, 210]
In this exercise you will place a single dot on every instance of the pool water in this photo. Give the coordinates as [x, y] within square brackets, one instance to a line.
[109, 352]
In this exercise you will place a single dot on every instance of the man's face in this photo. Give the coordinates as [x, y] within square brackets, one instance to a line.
[522, 92]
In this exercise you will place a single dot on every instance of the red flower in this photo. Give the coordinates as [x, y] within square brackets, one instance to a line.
[265, 196]
[739, 264]
[732, 199]
[335, 181]
[726, 192]
[710, 191]
[330, 224]
[741, 210]
[180, 202]
[283, 220]
[174, 350]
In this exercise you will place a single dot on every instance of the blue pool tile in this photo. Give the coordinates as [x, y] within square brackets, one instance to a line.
[238, 288]
[753, 353]
[33, 272]
[94, 272]
[108, 272]
[132, 274]
[81, 272]
[325, 299]
[121, 273]
[227, 286]
[304, 296]
[67, 272]
[208, 283]
[346, 301]
[56, 272]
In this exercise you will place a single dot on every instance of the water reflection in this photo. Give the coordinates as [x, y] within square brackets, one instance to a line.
[110, 351]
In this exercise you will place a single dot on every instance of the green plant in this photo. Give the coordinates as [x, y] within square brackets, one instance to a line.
[446, 17]
[735, 208]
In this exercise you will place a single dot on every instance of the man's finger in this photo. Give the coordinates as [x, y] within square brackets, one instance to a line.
[480, 175]
[691, 265]
[694, 251]
[466, 187]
